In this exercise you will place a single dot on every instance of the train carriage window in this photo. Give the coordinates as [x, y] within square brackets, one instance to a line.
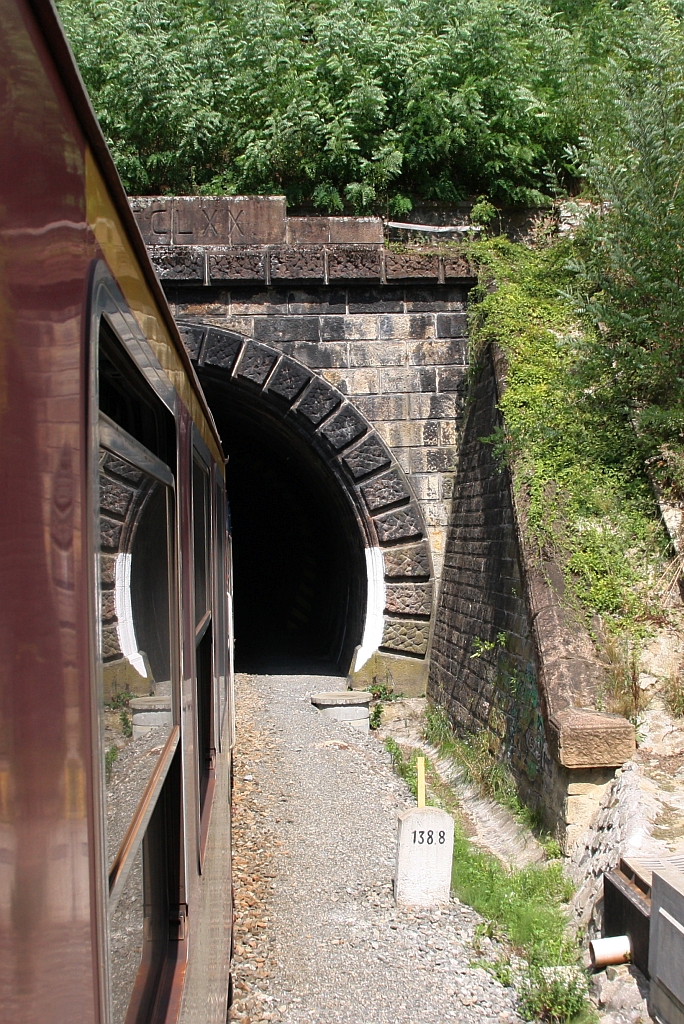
[138, 698]
[204, 637]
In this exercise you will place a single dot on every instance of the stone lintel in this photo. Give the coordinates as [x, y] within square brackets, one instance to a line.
[216, 264]
[581, 738]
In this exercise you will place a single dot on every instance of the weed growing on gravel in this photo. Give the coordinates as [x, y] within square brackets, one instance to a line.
[525, 906]
[405, 767]
[492, 778]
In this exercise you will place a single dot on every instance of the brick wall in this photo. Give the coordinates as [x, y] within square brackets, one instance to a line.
[483, 662]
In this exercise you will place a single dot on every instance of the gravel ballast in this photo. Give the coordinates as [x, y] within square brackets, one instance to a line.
[318, 939]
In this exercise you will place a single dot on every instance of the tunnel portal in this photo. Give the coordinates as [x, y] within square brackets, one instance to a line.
[299, 566]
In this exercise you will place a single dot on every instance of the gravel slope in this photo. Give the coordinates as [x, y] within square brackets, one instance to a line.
[318, 938]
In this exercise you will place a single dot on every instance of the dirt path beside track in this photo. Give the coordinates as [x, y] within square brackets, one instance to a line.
[318, 939]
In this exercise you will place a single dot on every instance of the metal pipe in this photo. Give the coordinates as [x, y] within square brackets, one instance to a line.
[617, 949]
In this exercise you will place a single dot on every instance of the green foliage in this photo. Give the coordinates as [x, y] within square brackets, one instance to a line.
[110, 757]
[527, 907]
[126, 723]
[357, 103]
[629, 261]
[375, 716]
[482, 769]
[405, 766]
[119, 700]
[586, 501]
[556, 994]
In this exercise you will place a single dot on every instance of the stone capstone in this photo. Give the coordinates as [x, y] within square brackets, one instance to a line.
[408, 598]
[344, 427]
[115, 497]
[256, 362]
[388, 489]
[580, 738]
[406, 635]
[401, 524]
[289, 379]
[319, 400]
[367, 457]
[220, 349]
[408, 561]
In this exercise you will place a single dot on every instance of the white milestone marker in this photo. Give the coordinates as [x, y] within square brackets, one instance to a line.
[425, 847]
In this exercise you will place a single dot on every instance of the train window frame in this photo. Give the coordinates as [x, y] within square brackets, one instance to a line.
[204, 636]
[107, 306]
[117, 441]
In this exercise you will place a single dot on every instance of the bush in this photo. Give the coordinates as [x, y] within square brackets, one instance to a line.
[357, 103]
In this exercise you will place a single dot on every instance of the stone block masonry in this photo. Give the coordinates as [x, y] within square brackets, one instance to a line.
[383, 347]
[508, 660]
[367, 344]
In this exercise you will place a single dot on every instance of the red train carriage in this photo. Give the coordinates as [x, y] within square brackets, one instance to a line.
[115, 688]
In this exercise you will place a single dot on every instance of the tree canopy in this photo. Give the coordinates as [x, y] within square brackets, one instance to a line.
[356, 103]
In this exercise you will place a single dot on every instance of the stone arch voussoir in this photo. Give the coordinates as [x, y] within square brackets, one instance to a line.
[383, 500]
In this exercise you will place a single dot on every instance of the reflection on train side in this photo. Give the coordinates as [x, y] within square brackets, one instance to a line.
[139, 734]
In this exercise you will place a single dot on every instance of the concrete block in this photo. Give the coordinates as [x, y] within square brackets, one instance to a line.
[405, 325]
[363, 382]
[425, 848]
[590, 739]
[172, 264]
[377, 353]
[286, 328]
[350, 262]
[205, 220]
[329, 302]
[344, 427]
[408, 379]
[426, 406]
[256, 362]
[401, 524]
[293, 262]
[347, 706]
[452, 325]
[406, 635]
[383, 407]
[307, 230]
[408, 676]
[312, 353]
[359, 230]
[666, 947]
[458, 267]
[410, 562]
[438, 353]
[236, 265]
[367, 457]
[319, 399]
[448, 434]
[376, 300]
[452, 378]
[401, 434]
[348, 328]
[385, 490]
[411, 265]
[434, 299]
[427, 486]
[434, 460]
[259, 301]
[408, 598]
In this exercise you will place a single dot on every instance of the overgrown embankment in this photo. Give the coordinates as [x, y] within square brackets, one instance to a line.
[584, 499]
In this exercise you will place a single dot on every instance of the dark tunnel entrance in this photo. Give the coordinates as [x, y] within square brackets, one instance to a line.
[298, 552]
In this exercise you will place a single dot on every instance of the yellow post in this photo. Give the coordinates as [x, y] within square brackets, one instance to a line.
[420, 765]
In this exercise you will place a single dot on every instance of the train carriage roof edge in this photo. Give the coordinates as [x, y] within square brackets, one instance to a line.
[47, 18]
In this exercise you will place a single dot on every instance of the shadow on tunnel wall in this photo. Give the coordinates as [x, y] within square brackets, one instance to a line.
[299, 563]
